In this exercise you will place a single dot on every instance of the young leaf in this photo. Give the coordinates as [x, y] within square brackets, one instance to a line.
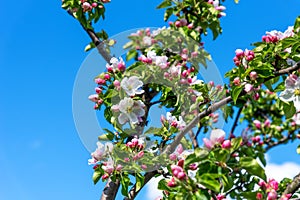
[252, 166]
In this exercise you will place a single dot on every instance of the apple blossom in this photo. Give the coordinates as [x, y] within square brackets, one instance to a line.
[132, 85]
[100, 152]
[292, 91]
[216, 137]
[130, 110]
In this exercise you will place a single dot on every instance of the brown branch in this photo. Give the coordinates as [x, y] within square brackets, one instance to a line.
[281, 141]
[133, 192]
[236, 120]
[293, 186]
[171, 147]
[194, 139]
[110, 190]
[98, 43]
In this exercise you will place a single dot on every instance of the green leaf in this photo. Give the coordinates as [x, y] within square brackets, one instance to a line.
[89, 46]
[131, 54]
[168, 13]
[96, 176]
[252, 167]
[236, 92]
[164, 4]
[289, 110]
[210, 181]
[249, 195]
[125, 181]
[153, 130]
[297, 23]
[139, 181]
[235, 143]
[298, 149]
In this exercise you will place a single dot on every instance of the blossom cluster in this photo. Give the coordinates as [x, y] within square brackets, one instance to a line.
[274, 36]
[270, 188]
[218, 7]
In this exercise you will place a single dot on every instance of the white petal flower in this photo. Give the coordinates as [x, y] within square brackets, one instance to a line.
[296, 118]
[292, 91]
[132, 85]
[101, 151]
[157, 31]
[130, 110]
[162, 61]
[151, 55]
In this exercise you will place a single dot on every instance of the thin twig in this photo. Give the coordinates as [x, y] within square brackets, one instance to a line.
[236, 120]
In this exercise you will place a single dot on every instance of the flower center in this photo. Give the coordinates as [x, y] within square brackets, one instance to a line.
[297, 92]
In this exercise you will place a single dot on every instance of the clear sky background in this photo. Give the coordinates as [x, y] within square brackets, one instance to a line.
[41, 50]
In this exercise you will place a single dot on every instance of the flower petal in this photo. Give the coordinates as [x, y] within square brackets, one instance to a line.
[287, 95]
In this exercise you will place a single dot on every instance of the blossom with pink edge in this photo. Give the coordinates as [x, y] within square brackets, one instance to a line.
[180, 124]
[217, 136]
[115, 65]
[101, 151]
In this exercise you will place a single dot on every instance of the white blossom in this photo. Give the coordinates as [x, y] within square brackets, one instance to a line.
[101, 151]
[130, 110]
[132, 85]
[292, 91]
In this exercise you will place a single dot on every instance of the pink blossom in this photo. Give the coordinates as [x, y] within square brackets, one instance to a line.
[248, 87]
[257, 124]
[272, 195]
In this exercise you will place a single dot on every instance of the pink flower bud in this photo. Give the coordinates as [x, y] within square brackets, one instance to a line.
[194, 54]
[184, 73]
[190, 26]
[172, 157]
[272, 195]
[183, 22]
[106, 76]
[94, 5]
[171, 183]
[236, 81]
[267, 123]
[239, 53]
[117, 83]
[93, 98]
[177, 24]
[256, 96]
[100, 81]
[259, 196]
[104, 176]
[181, 175]
[119, 167]
[126, 159]
[253, 75]
[226, 144]
[144, 167]
[257, 124]
[98, 90]
[121, 66]
[141, 154]
[211, 83]
[193, 166]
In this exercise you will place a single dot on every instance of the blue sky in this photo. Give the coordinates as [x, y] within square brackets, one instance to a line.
[41, 50]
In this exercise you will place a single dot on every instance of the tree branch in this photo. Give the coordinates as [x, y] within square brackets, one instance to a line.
[293, 186]
[171, 147]
[236, 120]
[98, 43]
[281, 141]
[133, 192]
